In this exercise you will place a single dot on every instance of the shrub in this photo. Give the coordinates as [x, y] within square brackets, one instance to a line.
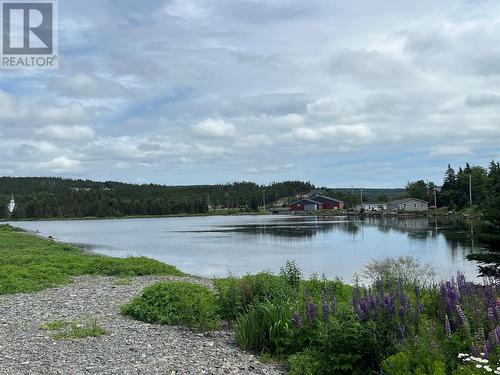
[235, 295]
[266, 327]
[176, 303]
[405, 268]
[291, 273]
[308, 362]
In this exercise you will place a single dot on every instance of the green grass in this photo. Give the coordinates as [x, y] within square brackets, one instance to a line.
[29, 263]
[55, 325]
[74, 330]
[176, 303]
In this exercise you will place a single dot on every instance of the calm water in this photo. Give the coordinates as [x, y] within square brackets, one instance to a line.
[219, 245]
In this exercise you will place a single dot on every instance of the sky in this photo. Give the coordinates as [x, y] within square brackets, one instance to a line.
[340, 92]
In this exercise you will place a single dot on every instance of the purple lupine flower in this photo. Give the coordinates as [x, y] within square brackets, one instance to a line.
[491, 314]
[325, 306]
[402, 311]
[401, 332]
[418, 293]
[480, 335]
[474, 351]
[297, 320]
[447, 326]
[333, 305]
[312, 312]
[462, 316]
[389, 304]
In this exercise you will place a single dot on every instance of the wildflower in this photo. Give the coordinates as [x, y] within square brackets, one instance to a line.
[447, 328]
[491, 314]
[462, 316]
[326, 307]
[333, 306]
[312, 312]
[297, 320]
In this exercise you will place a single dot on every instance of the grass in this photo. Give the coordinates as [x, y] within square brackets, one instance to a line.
[29, 263]
[74, 330]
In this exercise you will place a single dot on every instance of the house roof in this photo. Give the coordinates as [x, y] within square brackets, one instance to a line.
[325, 198]
[398, 201]
[306, 200]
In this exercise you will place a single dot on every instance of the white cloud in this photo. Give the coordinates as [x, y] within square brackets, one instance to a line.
[214, 128]
[87, 86]
[61, 164]
[450, 151]
[68, 133]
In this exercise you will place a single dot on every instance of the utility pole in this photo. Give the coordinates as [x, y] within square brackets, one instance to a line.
[361, 194]
[470, 188]
[264, 198]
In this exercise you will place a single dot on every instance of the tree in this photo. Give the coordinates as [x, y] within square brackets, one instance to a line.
[418, 189]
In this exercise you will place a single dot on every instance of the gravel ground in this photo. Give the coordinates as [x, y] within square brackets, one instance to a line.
[131, 347]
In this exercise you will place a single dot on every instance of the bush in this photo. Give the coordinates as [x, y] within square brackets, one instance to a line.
[176, 303]
[266, 327]
[308, 362]
[291, 273]
[235, 295]
[405, 268]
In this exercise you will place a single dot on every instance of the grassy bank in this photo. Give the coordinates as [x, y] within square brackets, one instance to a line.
[29, 263]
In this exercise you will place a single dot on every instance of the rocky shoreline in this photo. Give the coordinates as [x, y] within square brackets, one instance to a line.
[130, 347]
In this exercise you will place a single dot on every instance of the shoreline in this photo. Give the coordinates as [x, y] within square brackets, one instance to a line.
[129, 347]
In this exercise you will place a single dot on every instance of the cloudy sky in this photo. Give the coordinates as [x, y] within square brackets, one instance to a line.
[355, 92]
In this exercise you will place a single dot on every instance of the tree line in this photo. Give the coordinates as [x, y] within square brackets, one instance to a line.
[53, 197]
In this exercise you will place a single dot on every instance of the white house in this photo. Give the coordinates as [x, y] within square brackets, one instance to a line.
[408, 204]
[12, 205]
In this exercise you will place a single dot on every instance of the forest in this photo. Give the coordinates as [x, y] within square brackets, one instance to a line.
[42, 197]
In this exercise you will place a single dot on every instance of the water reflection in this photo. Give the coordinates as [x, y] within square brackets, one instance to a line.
[458, 234]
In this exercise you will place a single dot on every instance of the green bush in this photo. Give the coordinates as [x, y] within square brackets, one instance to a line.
[266, 327]
[291, 273]
[235, 295]
[176, 303]
[308, 362]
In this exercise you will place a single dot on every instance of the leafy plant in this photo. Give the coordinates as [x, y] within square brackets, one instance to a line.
[176, 303]
[291, 273]
[266, 327]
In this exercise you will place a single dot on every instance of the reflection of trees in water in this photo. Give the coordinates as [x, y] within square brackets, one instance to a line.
[455, 232]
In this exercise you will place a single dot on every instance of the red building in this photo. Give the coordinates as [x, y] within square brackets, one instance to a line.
[318, 202]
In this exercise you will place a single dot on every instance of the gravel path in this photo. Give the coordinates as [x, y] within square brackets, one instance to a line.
[131, 347]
